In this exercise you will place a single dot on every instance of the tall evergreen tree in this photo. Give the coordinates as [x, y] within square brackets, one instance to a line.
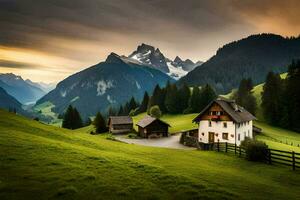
[207, 94]
[171, 100]
[244, 96]
[195, 101]
[126, 109]
[271, 98]
[77, 121]
[144, 105]
[132, 104]
[72, 119]
[121, 111]
[99, 123]
[67, 120]
[183, 98]
[112, 111]
[292, 95]
[154, 99]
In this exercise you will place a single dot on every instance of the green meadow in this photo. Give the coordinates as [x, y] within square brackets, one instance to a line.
[40, 161]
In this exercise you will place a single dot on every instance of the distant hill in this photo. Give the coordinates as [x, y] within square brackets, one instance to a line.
[20, 89]
[9, 103]
[46, 87]
[252, 57]
[108, 83]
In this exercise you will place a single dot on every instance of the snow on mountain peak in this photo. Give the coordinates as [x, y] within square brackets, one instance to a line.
[147, 54]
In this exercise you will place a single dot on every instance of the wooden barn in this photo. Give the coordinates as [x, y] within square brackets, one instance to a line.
[120, 124]
[152, 127]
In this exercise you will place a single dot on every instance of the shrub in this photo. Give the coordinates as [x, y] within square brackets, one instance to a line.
[133, 112]
[255, 150]
[110, 137]
[155, 111]
[132, 136]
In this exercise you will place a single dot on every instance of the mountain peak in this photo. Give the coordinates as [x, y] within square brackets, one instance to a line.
[145, 47]
[177, 59]
[113, 58]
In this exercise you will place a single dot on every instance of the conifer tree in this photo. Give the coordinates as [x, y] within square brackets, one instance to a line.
[111, 111]
[244, 96]
[77, 121]
[99, 123]
[207, 94]
[121, 111]
[72, 119]
[132, 104]
[171, 100]
[271, 98]
[144, 105]
[67, 120]
[195, 100]
[183, 98]
[292, 95]
[157, 97]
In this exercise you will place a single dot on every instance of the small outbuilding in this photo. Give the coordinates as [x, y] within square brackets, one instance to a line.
[120, 124]
[152, 127]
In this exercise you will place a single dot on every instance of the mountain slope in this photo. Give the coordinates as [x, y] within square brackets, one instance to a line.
[20, 89]
[8, 102]
[251, 57]
[109, 83]
[45, 162]
[149, 55]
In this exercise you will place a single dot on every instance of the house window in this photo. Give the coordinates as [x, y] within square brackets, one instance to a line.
[209, 123]
[239, 137]
[214, 112]
[225, 124]
[225, 136]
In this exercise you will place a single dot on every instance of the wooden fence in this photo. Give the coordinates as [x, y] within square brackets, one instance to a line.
[273, 156]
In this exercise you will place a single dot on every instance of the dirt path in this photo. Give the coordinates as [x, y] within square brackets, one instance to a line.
[167, 142]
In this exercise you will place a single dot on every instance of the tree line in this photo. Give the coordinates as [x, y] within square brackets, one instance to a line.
[281, 98]
[72, 120]
[171, 99]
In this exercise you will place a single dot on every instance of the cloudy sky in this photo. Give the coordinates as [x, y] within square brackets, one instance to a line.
[48, 40]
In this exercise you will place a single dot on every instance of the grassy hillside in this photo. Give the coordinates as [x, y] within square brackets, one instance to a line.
[46, 110]
[45, 162]
[278, 138]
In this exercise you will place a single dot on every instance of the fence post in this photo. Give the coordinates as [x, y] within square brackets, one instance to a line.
[218, 145]
[294, 160]
[235, 148]
[226, 147]
[240, 151]
[269, 156]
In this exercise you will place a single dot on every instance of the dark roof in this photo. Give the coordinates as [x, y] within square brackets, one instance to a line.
[120, 120]
[257, 129]
[147, 120]
[236, 112]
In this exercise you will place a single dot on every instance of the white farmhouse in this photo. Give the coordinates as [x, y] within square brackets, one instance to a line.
[224, 121]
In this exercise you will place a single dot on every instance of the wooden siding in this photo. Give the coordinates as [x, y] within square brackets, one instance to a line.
[156, 128]
[120, 128]
[217, 108]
